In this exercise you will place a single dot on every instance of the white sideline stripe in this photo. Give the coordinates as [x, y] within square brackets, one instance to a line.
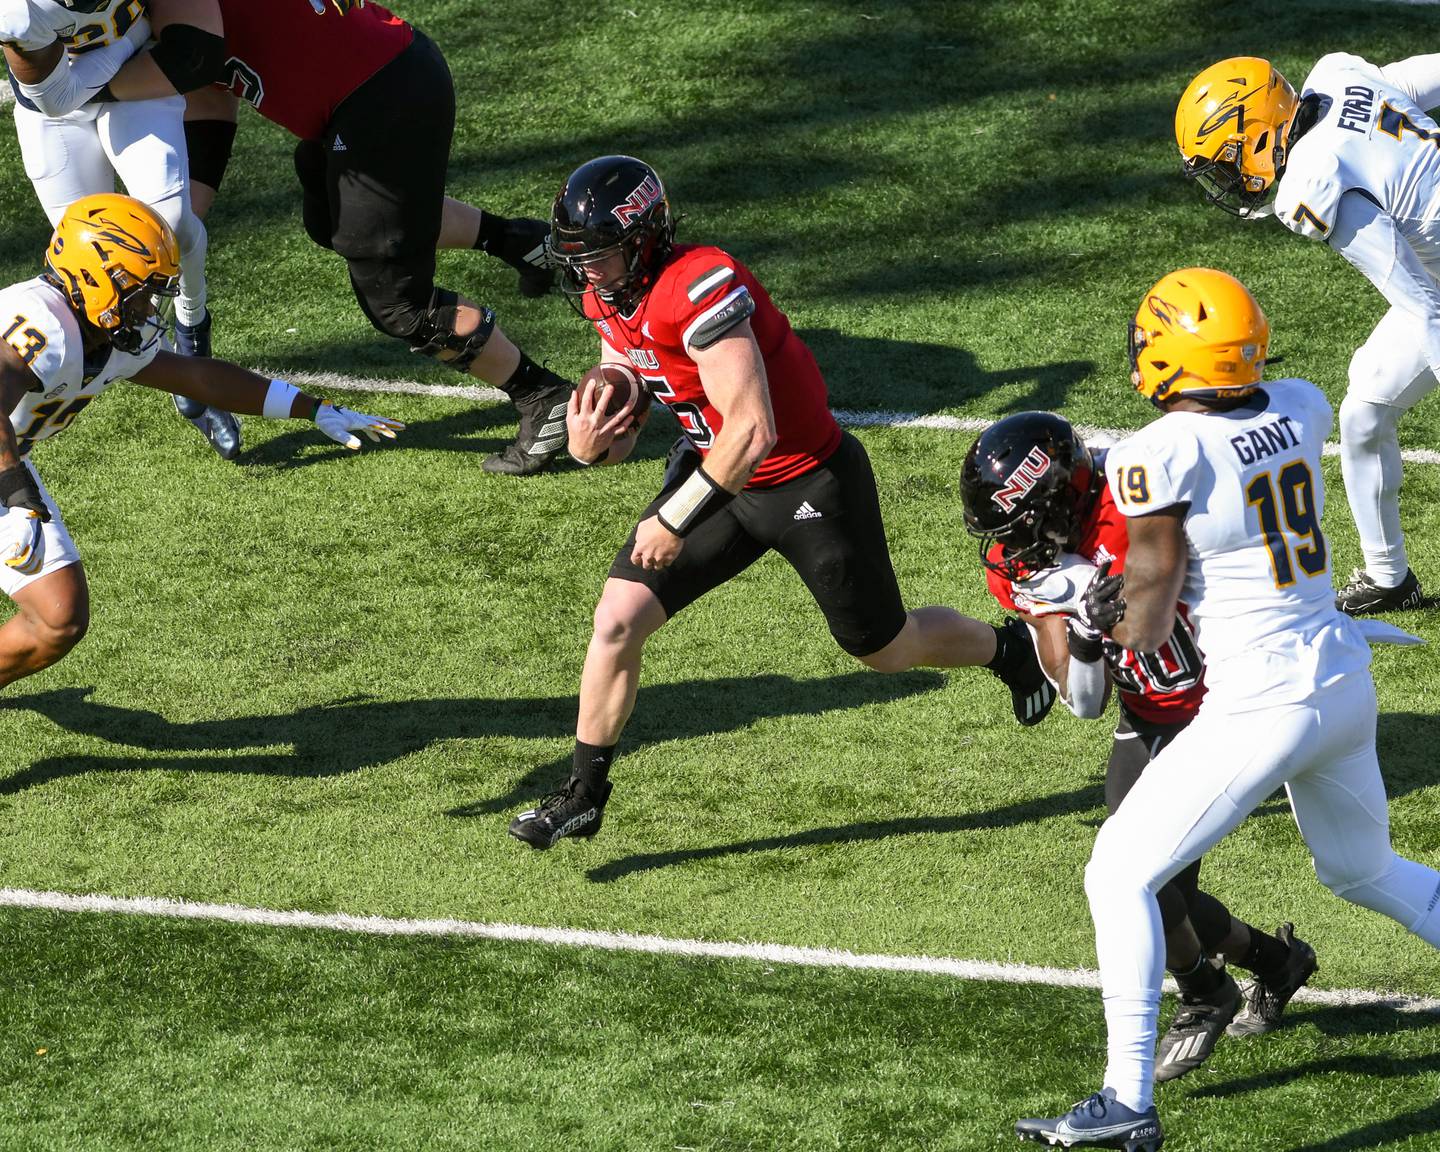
[1100, 437]
[626, 942]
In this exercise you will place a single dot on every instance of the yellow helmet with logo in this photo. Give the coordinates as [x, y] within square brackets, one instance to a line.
[1198, 334]
[1232, 125]
[109, 255]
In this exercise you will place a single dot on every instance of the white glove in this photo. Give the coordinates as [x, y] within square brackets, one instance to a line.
[27, 555]
[338, 424]
[1059, 588]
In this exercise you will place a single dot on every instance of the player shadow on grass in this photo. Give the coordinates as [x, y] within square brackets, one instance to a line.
[1348, 1022]
[1008, 816]
[889, 376]
[347, 735]
[1396, 732]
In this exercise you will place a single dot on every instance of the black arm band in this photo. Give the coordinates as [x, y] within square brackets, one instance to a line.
[189, 57]
[694, 502]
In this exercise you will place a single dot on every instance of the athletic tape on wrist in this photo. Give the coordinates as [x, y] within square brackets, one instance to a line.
[279, 398]
[692, 502]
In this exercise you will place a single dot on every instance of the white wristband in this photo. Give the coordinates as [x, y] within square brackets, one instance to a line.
[279, 398]
[684, 509]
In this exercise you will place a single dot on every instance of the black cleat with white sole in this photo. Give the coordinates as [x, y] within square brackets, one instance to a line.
[1363, 597]
[570, 811]
[1196, 1029]
[1266, 997]
[1031, 694]
[542, 433]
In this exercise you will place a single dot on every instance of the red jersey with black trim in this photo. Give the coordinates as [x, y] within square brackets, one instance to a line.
[701, 294]
[1164, 686]
[296, 60]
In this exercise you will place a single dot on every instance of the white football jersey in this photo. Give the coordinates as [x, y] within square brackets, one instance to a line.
[1257, 581]
[1372, 139]
[36, 321]
[34, 24]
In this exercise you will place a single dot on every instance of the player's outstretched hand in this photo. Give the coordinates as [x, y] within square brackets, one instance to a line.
[340, 423]
[1103, 606]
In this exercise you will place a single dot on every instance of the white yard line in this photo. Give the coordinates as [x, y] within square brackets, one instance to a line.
[627, 942]
[1097, 436]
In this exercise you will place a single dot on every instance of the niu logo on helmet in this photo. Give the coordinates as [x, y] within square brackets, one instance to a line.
[635, 204]
[1019, 483]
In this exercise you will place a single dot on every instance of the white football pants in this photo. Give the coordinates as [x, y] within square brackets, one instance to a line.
[1388, 376]
[1213, 775]
[141, 141]
[59, 547]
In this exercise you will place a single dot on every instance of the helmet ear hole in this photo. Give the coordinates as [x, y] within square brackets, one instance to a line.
[1202, 315]
[1261, 139]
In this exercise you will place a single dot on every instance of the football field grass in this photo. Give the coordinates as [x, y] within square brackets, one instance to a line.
[325, 682]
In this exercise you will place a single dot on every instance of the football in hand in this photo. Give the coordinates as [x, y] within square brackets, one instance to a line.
[624, 384]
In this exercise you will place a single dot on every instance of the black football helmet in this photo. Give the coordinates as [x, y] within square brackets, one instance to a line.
[611, 204]
[1027, 484]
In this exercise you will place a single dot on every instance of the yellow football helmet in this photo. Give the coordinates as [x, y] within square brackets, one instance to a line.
[1233, 125]
[110, 254]
[1198, 334]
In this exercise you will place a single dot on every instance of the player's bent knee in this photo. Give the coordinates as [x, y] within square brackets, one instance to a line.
[618, 625]
[881, 646]
[55, 633]
[436, 335]
[1366, 424]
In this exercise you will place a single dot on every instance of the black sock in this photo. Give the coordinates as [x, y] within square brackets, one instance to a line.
[1201, 979]
[1266, 954]
[492, 231]
[592, 766]
[529, 378]
[1006, 655]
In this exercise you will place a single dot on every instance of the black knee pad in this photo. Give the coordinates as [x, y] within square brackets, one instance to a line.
[436, 332]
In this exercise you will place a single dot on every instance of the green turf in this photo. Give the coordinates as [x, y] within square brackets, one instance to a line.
[121, 1033]
[323, 681]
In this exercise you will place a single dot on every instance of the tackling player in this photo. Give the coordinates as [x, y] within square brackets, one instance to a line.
[1353, 162]
[1035, 495]
[373, 105]
[1223, 498]
[60, 54]
[88, 320]
[762, 465]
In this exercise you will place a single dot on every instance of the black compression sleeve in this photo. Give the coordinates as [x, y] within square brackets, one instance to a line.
[189, 57]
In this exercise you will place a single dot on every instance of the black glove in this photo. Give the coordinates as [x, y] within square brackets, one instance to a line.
[1104, 605]
[19, 490]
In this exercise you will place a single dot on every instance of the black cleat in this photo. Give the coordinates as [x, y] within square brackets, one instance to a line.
[220, 428]
[1266, 997]
[1100, 1121]
[1196, 1029]
[569, 812]
[1031, 695]
[525, 246]
[1362, 595]
[542, 433]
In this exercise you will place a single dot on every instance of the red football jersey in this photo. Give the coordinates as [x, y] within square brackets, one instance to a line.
[1165, 686]
[697, 297]
[296, 60]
